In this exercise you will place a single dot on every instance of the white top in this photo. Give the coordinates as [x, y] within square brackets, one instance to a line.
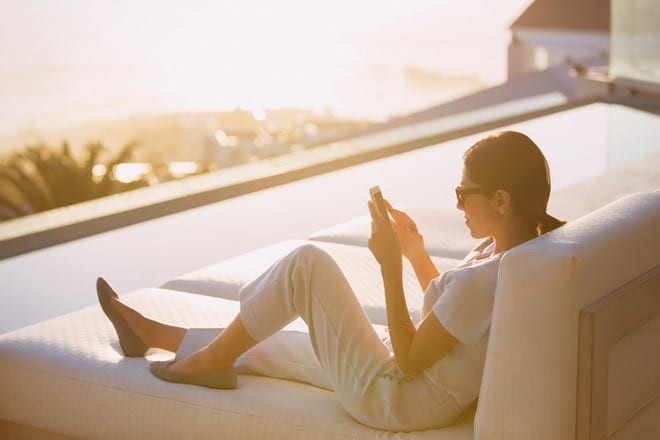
[462, 300]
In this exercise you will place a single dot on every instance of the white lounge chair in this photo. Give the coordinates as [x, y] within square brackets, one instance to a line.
[573, 349]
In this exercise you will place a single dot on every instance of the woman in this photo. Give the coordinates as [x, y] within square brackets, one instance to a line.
[432, 371]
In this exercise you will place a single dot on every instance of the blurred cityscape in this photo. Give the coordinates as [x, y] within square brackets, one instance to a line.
[54, 169]
[189, 143]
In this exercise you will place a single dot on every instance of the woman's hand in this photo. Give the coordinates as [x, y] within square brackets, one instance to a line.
[384, 242]
[412, 242]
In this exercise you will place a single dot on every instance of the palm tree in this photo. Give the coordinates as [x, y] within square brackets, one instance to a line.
[41, 178]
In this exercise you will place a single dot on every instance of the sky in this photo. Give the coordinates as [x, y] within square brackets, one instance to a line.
[72, 60]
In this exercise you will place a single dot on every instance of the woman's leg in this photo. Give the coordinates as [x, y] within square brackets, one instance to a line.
[153, 333]
[133, 328]
[306, 283]
[220, 353]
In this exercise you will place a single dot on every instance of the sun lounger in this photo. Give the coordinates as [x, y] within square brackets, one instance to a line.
[572, 349]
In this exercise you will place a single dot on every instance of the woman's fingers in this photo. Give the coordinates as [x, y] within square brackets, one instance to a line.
[377, 219]
[395, 212]
[403, 222]
[376, 214]
[373, 211]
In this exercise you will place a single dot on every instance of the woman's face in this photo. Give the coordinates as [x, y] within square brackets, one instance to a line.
[480, 215]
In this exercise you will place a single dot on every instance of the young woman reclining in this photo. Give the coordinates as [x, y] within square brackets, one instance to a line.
[428, 373]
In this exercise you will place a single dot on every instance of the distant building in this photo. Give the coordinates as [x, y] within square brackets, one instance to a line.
[554, 32]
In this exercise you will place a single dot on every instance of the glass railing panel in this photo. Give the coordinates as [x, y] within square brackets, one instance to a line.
[635, 40]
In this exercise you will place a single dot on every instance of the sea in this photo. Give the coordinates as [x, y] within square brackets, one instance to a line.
[68, 62]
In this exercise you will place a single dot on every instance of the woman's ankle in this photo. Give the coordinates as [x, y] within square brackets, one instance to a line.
[200, 362]
[135, 320]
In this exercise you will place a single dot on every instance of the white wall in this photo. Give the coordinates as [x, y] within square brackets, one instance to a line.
[533, 50]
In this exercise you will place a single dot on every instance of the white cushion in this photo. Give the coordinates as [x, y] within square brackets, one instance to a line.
[67, 376]
[529, 384]
[225, 279]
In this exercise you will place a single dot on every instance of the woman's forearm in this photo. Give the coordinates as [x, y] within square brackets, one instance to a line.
[401, 327]
[425, 270]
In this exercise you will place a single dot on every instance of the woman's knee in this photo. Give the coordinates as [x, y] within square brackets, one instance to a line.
[311, 253]
[314, 261]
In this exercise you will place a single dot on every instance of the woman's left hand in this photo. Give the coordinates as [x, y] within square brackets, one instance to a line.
[412, 242]
[384, 242]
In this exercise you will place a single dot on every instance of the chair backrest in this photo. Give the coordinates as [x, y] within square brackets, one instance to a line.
[530, 382]
[618, 390]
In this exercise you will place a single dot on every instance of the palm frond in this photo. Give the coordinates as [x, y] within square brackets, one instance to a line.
[70, 175]
[25, 185]
[37, 156]
[40, 177]
[9, 209]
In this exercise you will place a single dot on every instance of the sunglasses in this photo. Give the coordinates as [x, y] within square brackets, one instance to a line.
[462, 192]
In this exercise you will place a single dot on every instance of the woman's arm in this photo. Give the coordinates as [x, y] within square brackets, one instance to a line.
[425, 270]
[414, 348]
[412, 247]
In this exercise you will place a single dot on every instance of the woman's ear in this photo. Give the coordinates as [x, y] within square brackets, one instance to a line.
[501, 201]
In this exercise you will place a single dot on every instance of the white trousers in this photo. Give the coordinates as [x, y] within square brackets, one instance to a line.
[357, 365]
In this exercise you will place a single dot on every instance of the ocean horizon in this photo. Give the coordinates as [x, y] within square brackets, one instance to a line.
[395, 66]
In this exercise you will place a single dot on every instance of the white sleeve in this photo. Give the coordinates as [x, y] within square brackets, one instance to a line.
[466, 305]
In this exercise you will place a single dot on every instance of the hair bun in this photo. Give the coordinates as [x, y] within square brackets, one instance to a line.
[548, 223]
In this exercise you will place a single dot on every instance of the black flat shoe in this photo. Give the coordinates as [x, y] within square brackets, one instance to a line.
[222, 378]
[130, 343]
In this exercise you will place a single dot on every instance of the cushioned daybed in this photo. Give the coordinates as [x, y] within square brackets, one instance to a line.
[573, 346]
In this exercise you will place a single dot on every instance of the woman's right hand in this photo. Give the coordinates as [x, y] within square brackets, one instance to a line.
[384, 242]
[412, 242]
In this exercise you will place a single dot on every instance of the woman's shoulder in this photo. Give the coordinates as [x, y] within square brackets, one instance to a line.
[475, 271]
[489, 263]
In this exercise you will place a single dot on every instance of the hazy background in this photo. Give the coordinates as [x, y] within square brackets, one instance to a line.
[70, 61]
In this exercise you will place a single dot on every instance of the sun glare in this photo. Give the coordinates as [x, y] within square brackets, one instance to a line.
[249, 58]
[107, 60]
[313, 55]
[259, 114]
[180, 169]
[130, 172]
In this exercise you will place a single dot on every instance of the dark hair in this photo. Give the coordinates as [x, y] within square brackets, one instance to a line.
[511, 161]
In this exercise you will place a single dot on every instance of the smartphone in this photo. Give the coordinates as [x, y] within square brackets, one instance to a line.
[377, 198]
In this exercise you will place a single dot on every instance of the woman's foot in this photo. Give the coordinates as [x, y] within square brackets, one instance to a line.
[130, 342]
[220, 378]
